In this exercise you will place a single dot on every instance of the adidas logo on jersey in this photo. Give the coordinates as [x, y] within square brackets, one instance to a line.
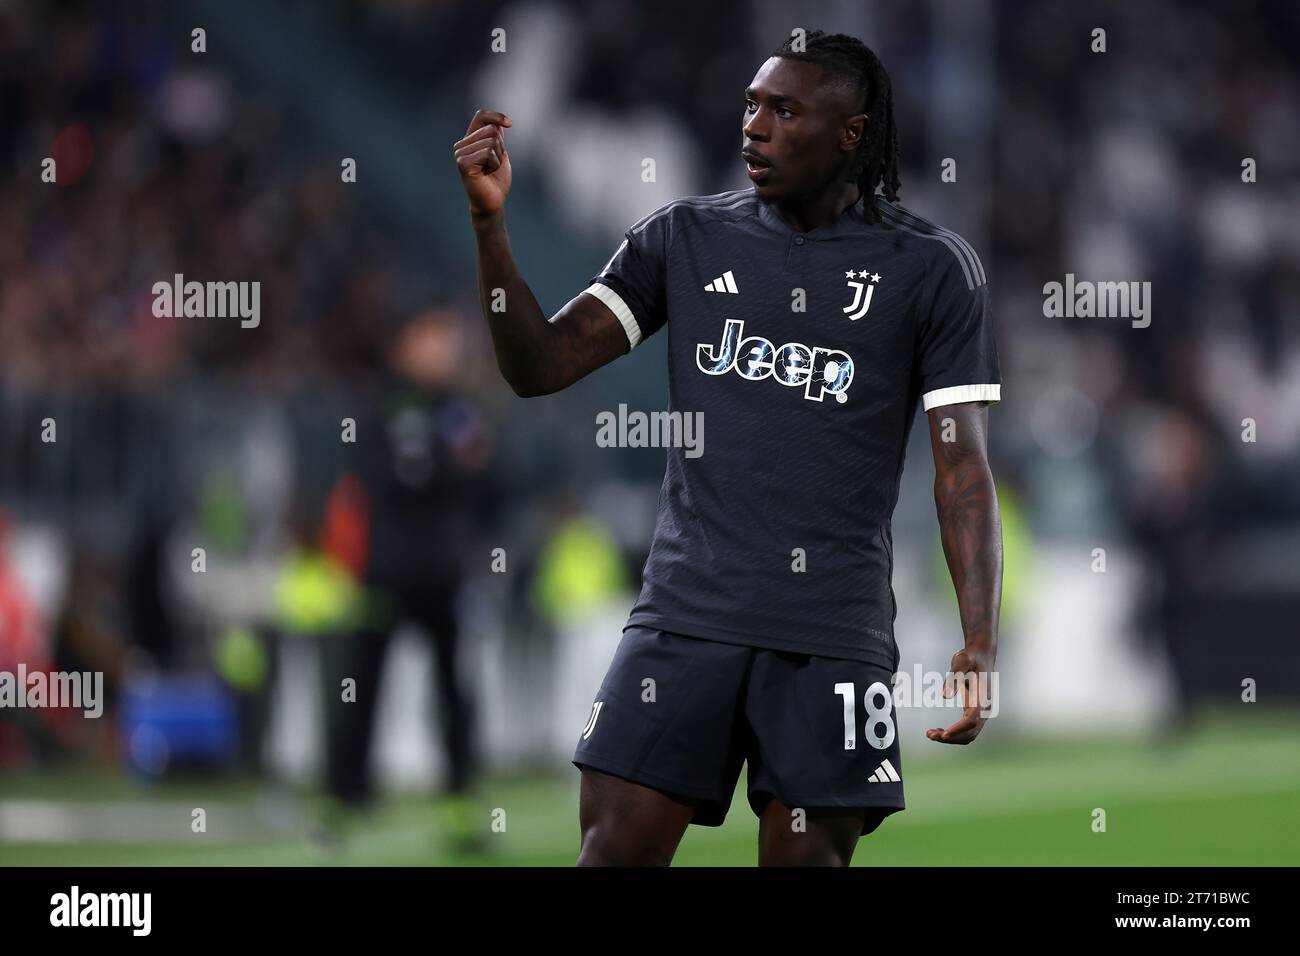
[885, 773]
[723, 283]
[819, 370]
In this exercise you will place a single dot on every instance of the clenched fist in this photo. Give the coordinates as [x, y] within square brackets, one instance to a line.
[484, 163]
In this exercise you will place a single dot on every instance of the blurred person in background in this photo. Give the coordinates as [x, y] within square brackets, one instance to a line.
[1178, 504]
[403, 518]
[22, 641]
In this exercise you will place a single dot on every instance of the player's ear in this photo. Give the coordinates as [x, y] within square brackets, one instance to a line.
[854, 131]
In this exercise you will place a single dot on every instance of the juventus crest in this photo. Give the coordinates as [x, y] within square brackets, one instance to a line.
[861, 293]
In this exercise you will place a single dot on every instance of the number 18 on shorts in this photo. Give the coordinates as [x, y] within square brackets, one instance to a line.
[815, 731]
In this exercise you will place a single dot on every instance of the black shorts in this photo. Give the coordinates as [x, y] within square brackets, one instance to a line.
[681, 714]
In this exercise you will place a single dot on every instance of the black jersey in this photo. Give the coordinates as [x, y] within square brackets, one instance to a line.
[807, 354]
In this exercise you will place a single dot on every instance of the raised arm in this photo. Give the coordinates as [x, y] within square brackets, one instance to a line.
[536, 356]
[971, 531]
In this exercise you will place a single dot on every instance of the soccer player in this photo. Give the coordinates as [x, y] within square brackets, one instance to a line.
[807, 316]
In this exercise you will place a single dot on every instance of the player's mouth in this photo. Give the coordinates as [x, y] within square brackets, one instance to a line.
[755, 165]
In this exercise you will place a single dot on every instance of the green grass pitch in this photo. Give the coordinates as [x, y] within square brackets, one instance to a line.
[1225, 794]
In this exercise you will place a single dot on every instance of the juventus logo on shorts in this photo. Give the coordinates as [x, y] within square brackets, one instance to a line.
[591, 721]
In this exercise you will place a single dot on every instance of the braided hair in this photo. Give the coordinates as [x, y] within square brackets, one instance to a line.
[846, 57]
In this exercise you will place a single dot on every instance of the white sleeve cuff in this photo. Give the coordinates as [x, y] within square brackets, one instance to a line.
[961, 393]
[616, 305]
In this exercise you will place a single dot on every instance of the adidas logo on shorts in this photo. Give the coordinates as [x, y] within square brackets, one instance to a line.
[885, 773]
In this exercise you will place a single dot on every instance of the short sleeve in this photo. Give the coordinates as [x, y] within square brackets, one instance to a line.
[632, 283]
[958, 356]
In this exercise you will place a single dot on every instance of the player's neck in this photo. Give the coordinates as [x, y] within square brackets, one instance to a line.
[806, 213]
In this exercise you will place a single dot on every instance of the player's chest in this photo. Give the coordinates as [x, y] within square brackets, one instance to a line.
[838, 299]
[840, 321]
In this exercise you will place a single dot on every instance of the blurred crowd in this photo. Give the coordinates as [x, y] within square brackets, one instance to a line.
[1124, 165]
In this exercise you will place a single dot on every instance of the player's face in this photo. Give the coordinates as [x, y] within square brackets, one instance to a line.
[799, 132]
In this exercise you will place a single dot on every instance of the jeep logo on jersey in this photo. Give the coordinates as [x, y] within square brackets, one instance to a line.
[861, 293]
[818, 370]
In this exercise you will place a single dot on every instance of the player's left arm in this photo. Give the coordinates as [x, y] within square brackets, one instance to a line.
[971, 530]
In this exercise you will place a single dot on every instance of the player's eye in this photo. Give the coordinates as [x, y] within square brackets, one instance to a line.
[749, 106]
[787, 113]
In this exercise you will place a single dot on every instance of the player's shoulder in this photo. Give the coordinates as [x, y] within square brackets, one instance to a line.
[940, 247]
[687, 211]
